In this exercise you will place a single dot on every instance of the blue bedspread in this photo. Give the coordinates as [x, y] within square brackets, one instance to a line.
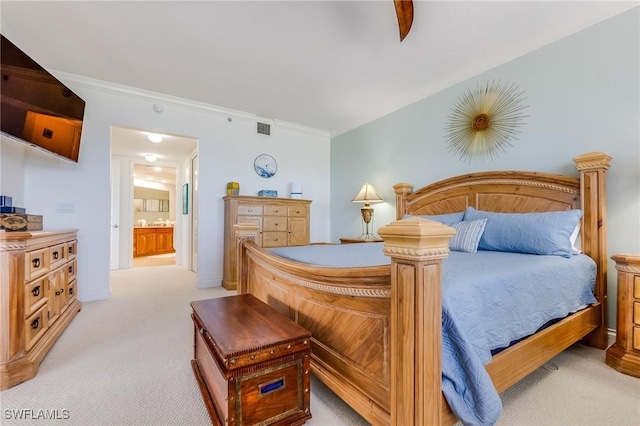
[489, 299]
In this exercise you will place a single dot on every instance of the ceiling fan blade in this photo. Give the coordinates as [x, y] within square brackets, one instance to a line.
[404, 11]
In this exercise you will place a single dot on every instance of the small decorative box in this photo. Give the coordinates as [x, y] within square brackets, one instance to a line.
[233, 188]
[20, 210]
[267, 193]
[6, 201]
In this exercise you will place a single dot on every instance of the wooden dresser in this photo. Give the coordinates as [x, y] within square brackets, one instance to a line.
[38, 299]
[282, 222]
[624, 354]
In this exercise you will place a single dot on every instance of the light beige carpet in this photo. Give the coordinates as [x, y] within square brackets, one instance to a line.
[125, 361]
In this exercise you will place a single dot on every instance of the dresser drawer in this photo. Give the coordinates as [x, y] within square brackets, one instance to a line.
[275, 223]
[36, 263]
[35, 295]
[298, 211]
[70, 270]
[35, 326]
[636, 338]
[57, 255]
[636, 287]
[636, 313]
[274, 239]
[250, 210]
[275, 211]
[71, 290]
[72, 249]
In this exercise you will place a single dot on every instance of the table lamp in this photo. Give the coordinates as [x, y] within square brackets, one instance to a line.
[367, 195]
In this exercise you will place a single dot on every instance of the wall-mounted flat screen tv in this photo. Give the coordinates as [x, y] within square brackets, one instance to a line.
[36, 107]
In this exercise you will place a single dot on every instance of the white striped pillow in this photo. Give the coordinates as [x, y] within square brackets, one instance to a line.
[467, 236]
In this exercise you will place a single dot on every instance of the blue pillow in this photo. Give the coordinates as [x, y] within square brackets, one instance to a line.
[547, 233]
[447, 219]
[467, 236]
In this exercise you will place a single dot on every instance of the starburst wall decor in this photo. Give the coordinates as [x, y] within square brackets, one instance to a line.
[485, 121]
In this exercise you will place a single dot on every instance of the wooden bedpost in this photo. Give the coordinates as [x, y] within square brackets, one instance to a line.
[416, 247]
[401, 190]
[243, 232]
[592, 167]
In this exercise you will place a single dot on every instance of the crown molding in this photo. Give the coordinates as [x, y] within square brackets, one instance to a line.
[156, 97]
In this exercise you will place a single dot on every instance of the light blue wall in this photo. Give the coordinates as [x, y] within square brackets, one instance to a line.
[583, 94]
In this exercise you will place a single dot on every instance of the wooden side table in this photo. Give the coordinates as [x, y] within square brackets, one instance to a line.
[346, 240]
[624, 354]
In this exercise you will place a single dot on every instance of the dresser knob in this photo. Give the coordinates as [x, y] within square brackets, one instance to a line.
[35, 263]
[36, 291]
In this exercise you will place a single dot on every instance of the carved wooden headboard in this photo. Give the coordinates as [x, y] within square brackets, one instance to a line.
[524, 192]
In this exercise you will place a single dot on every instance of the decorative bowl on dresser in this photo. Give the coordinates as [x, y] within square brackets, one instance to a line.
[624, 354]
[281, 222]
[38, 299]
[251, 362]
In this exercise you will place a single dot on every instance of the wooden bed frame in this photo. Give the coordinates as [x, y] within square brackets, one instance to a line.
[377, 330]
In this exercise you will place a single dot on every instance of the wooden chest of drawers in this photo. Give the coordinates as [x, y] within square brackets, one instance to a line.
[281, 221]
[39, 298]
[251, 362]
[624, 354]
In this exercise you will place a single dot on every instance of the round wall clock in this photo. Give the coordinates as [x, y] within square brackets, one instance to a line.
[265, 165]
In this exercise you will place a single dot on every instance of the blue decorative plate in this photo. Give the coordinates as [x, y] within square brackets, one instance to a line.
[265, 165]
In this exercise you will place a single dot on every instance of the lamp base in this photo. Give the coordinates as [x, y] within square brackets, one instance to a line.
[368, 236]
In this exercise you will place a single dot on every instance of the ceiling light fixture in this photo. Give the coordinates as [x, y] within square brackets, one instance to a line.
[155, 138]
[150, 157]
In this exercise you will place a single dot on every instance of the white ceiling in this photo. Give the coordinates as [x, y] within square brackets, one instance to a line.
[331, 65]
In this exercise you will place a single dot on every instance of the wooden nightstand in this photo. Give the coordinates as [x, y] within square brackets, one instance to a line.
[624, 354]
[346, 240]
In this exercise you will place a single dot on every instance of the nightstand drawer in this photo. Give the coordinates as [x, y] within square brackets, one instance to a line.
[250, 210]
[275, 211]
[636, 313]
[636, 287]
[636, 338]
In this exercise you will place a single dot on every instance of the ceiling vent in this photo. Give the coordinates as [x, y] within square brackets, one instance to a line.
[264, 128]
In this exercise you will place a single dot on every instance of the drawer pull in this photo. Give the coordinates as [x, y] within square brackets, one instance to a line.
[36, 263]
[71, 269]
[35, 323]
[36, 291]
[249, 210]
[70, 249]
[271, 386]
[276, 211]
[70, 291]
[55, 255]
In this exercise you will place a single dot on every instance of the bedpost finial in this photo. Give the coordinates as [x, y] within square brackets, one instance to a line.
[402, 188]
[416, 238]
[592, 160]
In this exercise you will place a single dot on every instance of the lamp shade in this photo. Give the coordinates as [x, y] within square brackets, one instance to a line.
[367, 195]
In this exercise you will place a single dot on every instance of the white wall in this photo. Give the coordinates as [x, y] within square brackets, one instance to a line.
[226, 153]
[583, 94]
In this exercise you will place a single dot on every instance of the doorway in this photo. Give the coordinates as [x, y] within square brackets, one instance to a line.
[139, 166]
